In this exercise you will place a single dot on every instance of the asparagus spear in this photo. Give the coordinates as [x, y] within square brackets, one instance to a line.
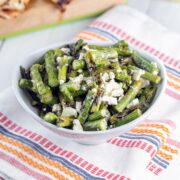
[78, 64]
[63, 67]
[27, 84]
[123, 77]
[43, 90]
[50, 117]
[149, 76]
[98, 115]
[87, 105]
[130, 117]
[129, 96]
[97, 125]
[144, 64]
[50, 69]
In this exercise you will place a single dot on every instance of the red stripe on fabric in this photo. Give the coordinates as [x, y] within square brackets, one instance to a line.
[22, 167]
[28, 133]
[114, 141]
[47, 145]
[69, 154]
[38, 138]
[116, 177]
[94, 170]
[173, 94]
[32, 136]
[153, 153]
[123, 143]
[110, 176]
[1, 113]
[157, 171]
[53, 147]
[43, 141]
[122, 178]
[63, 152]
[149, 148]
[170, 61]
[18, 129]
[138, 143]
[176, 63]
[9, 122]
[119, 142]
[99, 172]
[58, 151]
[173, 142]
[3, 119]
[74, 158]
[161, 55]
[105, 174]
[143, 145]
[23, 131]
[88, 168]
[84, 164]
[79, 160]
[13, 126]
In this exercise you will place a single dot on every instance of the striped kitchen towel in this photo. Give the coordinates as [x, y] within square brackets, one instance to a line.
[149, 151]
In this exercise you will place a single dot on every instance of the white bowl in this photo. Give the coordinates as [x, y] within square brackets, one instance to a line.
[86, 137]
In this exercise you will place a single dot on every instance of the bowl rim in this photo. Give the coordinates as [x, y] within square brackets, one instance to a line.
[69, 131]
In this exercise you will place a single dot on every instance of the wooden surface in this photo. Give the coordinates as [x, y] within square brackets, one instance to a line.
[42, 12]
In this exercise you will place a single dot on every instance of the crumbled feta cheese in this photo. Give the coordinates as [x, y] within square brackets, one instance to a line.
[155, 73]
[58, 59]
[69, 111]
[81, 55]
[77, 125]
[65, 50]
[94, 90]
[61, 82]
[137, 74]
[110, 100]
[56, 108]
[145, 82]
[133, 103]
[88, 80]
[79, 70]
[78, 106]
[77, 80]
[117, 92]
[111, 75]
[119, 70]
[105, 77]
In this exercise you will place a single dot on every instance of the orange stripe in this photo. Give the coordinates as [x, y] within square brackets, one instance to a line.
[173, 77]
[169, 149]
[94, 35]
[40, 157]
[83, 37]
[158, 126]
[173, 85]
[157, 133]
[31, 162]
[164, 155]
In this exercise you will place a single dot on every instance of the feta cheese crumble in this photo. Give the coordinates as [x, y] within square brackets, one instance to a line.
[133, 103]
[69, 111]
[56, 108]
[77, 125]
[137, 74]
[78, 106]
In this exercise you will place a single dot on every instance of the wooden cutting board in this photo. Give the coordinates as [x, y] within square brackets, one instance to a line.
[42, 14]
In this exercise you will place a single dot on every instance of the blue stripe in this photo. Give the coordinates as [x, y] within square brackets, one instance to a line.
[149, 138]
[161, 160]
[107, 35]
[102, 32]
[160, 163]
[45, 153]
[173, 71]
